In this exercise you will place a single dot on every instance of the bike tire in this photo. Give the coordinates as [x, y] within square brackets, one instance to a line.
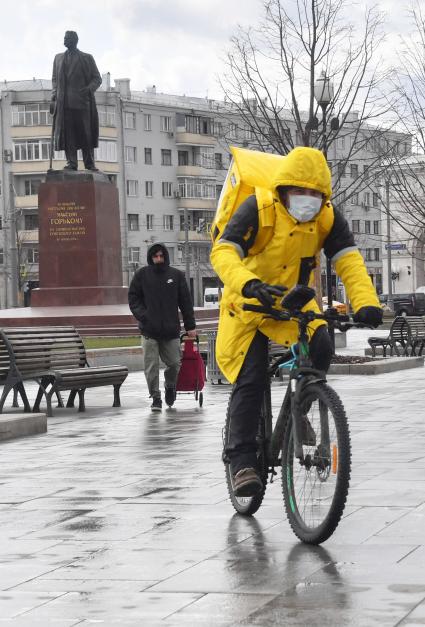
[315, 496]
[248, 505]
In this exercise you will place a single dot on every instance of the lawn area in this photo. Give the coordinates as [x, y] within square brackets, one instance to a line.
[111, 342]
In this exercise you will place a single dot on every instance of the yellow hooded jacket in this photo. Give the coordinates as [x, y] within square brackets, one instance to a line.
[282, 260]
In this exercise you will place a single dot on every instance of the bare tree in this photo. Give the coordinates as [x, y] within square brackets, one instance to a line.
[407, 176]
[270, 77]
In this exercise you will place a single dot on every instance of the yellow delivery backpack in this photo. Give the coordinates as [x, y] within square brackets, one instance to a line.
[251, 172]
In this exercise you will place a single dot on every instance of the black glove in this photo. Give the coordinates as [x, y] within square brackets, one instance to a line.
[262, 291]
[370, 316]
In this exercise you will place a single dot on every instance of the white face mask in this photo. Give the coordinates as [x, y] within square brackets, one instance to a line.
[304, 208]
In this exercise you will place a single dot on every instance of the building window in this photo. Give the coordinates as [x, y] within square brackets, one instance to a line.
[149, 189]
[376, 227]
[367, 226]
[171, 254]
[197, 188]
[107, 151]
[147, 118]
[377, 254]
[355, 225]
[129, 119]
[354, 199]
[366, 200]
[31, 115]
[133, 221]
[134, 254]
[218, 158]
[198, 125]
[32, 255]
[354, 170]
[165, 157]
[130, 154]
[132, 187]
[106, 115]
[148, 156]
[168, 222]
[167, 189]
[32, 150]
[31, 222]
[341, 169]
[166, 123]
[31, 186]
[149, 222]
[368, 254]
[1, 256]
[341, 142]
[183, 157]
[375, 199]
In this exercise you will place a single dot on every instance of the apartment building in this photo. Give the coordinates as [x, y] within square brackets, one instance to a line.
[168, 156]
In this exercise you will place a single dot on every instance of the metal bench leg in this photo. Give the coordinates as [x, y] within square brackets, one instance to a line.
[38, 398]
[117, 401]
[4, 394]
[71, 398]
[59, 399]
[15, 397]
[81, 403]
[20, 388]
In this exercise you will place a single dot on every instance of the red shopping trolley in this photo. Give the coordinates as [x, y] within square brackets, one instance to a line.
[191, 376]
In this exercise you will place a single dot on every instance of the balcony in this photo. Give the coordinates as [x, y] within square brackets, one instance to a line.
[194, 236]
[28, 236]
[195, 170]
[183, 138]
[208, 204]
[26, 202]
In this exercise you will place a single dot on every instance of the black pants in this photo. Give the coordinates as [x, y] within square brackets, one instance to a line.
[248, 391]
[78, 134]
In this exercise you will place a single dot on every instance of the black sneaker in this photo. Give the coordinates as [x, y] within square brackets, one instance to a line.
[170, 396]
[309, 436]
[246, 482]
[156, 404]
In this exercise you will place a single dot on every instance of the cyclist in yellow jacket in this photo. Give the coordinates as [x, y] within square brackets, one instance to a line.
[305, 222]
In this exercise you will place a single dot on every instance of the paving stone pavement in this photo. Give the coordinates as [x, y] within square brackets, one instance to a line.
[121, 517]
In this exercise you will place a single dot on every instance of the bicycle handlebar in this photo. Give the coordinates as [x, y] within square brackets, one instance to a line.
[342, 322]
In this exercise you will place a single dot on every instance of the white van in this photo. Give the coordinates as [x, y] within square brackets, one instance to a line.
[211, 297]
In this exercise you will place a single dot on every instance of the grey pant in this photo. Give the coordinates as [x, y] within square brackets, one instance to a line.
[169, 352]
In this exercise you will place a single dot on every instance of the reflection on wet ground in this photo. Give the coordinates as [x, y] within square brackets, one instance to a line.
[124, 519]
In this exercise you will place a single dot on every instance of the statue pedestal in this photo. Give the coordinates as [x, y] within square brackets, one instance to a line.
[79, 241]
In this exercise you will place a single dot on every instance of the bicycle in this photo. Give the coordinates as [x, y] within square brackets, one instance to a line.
[315, 479]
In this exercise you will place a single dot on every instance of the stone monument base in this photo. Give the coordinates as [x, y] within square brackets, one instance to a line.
[75, 296]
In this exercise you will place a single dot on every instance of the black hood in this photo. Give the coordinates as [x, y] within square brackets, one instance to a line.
[154, 249]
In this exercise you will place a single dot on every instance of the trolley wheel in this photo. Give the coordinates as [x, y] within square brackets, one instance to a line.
[201, 399]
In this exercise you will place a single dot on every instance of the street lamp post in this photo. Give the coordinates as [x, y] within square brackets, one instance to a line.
[389, 254]
[324, 93]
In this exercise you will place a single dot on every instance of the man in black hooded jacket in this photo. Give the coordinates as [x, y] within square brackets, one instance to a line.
[157, 291]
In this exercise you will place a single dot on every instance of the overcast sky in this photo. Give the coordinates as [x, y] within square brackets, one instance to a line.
[175, 44]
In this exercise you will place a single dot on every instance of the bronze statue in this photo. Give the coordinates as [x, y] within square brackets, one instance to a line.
[75, 78]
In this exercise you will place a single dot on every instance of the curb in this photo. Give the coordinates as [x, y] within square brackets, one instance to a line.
[380, 366]
[21, 424]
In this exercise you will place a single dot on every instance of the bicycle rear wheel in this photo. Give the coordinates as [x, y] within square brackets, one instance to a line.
[315, 491]
[248, 505]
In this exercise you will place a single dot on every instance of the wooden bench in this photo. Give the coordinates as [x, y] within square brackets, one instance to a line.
[55, 358]
[406, 337]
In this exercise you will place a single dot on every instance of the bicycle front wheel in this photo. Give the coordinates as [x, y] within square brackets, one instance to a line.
[315, 489]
